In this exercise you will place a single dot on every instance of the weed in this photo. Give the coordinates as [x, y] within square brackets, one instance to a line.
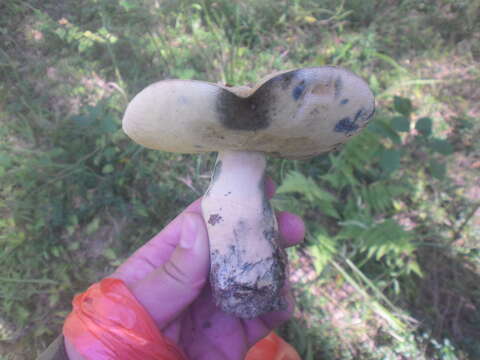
[390, 266]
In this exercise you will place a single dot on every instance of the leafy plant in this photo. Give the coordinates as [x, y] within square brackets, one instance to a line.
[391, 218]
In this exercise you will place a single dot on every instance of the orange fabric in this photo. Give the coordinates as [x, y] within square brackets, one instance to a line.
[108, 322]
[272, 347]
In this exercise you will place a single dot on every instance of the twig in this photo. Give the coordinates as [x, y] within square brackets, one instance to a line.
[67, 172]
[465, 221]
[32, 281]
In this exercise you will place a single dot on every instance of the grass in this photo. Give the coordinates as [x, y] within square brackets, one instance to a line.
[391, 264]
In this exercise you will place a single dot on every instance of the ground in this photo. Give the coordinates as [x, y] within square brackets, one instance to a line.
[391, 263]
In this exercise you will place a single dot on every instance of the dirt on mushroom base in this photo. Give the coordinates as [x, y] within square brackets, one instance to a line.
[294, 41]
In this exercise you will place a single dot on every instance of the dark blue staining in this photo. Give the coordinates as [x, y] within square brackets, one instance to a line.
[246, 114]
[371, 114]
[286, 79]
[344, 101]
[357, 115]
[346, 125]
[298, 90]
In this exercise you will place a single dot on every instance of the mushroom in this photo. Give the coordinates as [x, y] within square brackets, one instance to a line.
[295, 114]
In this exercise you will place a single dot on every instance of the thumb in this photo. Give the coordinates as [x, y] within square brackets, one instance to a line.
[168, 290]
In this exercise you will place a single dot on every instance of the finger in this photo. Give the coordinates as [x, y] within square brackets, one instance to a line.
[261, 326]
[168, 290]
[159, 249]
[276, 318]
[195, 207]
[291, 229]
[155, 252]
[151, 255]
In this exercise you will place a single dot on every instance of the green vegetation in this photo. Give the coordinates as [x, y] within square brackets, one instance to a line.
[390, 268]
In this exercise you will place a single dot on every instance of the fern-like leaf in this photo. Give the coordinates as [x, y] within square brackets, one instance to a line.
[296, 182]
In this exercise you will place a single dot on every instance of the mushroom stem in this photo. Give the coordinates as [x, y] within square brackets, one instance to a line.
[247, 263]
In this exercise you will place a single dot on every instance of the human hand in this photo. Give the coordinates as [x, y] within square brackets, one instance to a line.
[169, 277]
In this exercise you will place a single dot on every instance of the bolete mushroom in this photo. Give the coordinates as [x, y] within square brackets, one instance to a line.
[294, 114]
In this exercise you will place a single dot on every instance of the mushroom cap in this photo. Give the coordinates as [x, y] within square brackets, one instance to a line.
[292, 114]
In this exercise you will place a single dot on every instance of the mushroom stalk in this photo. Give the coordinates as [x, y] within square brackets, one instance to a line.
[247, 263]
[295, 114]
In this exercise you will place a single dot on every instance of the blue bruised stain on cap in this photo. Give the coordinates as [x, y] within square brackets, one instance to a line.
[346, 125]
[298, 90]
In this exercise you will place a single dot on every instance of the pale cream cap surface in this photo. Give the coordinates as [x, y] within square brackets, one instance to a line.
[293, 114]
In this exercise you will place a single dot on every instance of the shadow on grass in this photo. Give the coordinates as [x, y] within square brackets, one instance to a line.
[447, 300]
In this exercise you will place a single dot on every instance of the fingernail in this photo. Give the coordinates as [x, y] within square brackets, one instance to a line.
[189, 232]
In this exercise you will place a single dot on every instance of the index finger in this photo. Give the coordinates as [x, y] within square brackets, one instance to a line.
[159, 249]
